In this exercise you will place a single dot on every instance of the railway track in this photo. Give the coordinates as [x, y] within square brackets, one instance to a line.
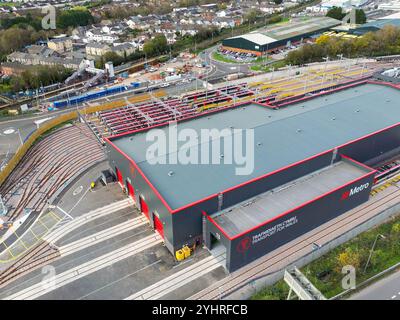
[47, 250]
[295, 249]
[47, 166]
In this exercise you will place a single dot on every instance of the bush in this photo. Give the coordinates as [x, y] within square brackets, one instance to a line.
[383, 42]
[75, 17]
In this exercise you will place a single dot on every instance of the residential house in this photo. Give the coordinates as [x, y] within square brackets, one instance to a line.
[124, 49]
[60, 44]
[95, 49]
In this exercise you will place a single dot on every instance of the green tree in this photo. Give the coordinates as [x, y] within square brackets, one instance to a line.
[278, 1]
[360, 16]
[75, 17]
[156, 46]
[113, 57]
[252, 15]
[336, 13]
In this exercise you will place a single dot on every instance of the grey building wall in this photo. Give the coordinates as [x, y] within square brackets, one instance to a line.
[185, 226]
[266, 238]
[129, 172]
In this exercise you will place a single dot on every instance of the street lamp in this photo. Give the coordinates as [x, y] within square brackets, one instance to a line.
[326, 59]
[372, 249]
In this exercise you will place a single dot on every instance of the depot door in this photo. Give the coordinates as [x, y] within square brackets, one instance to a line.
[158, 225]
[119, 176]
[144, 208]
[131, 191]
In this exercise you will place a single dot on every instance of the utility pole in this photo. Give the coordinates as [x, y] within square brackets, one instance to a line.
[326, 66]
[372, 249]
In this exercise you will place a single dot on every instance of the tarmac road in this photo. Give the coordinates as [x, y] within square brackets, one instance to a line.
[386, 289]
[221, 69]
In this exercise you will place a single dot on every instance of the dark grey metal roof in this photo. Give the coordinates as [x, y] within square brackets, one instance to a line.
[285, 136]
[289, 30]
[275, 202]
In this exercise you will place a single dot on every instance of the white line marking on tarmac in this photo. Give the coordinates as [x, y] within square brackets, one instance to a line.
[101, 236]
[116, 281]
[80, 199]
[86, 268]
[63, 211]
[180, 278]
[71, 261]
[85, 218]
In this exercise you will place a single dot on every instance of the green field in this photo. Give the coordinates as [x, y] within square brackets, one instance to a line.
[268, 67]
[325, 272]
[9, 4]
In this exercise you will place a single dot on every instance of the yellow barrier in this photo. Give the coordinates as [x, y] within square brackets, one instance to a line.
[121, 103]
[285, 95]
[266, 86]
[31, 140]
[255, 84]
[275, 91]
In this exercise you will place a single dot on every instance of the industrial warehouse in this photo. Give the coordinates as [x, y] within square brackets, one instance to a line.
[312, 162]
[284, 35]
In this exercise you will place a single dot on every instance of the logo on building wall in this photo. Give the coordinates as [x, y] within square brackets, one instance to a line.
[354, 191]
[244, 245]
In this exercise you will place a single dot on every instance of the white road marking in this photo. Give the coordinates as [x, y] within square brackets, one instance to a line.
[180, 278]
[77, 190]
[80, 199]
[86, 268]
[101, 236]
[90, 216]
[120, 279]
[66, 213]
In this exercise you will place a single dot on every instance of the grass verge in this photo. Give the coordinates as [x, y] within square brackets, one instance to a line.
[268, 67]
[325, 272]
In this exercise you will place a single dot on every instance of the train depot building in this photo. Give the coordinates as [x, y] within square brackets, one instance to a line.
[313, 160]
[282, 35]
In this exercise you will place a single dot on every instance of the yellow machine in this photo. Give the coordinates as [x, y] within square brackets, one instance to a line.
[186, 251]
[183, 253]
[179, 255]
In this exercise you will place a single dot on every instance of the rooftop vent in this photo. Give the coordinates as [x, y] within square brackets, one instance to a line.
[171, 173]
